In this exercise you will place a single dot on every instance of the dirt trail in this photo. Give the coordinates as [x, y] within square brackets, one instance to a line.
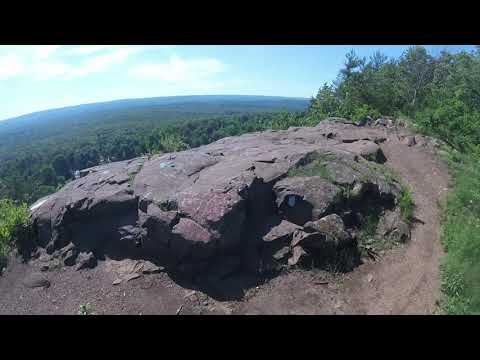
[404, 281]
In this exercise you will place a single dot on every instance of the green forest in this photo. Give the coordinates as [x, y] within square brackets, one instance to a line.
[437, 95]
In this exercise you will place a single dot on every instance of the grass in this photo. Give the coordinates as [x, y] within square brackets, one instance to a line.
[388, 174]
[315, 168]
[367, 237]
[131, 177]
[460, 267]
[131, 174]
[406, 204]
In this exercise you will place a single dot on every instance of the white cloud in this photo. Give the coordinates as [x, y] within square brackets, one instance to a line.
[101, 62]
[43, 62]
[10, 66]
[89, 49]
[178, 69]
[42, 52]
[43, 71]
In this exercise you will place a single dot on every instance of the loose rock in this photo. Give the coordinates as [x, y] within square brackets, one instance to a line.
[86, 261]
[36, 280]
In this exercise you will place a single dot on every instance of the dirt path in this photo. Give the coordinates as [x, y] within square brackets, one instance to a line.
[407, 280]
[404, 281]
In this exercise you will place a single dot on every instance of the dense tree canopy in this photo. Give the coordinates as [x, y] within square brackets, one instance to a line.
[441, 95]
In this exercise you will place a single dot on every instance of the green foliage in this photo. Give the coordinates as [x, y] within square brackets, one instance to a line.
[461, 240]
[14, 227]
[441, 94]
[369, 228]
[172, 142]
[406, 204]
[367, 238]
[363, 111]
[314, 168]
[86, 309]
[326, 103]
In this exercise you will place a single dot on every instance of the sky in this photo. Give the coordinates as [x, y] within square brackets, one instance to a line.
[41, 77]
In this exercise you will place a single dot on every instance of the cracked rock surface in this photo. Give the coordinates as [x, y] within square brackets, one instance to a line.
[270, 199]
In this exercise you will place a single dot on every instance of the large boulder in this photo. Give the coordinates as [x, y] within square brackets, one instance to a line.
[332, 128]
[246, 196]
[365, 148]
[302, 199]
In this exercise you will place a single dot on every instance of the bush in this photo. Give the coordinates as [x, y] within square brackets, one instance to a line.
[451, 121]
[172, 142]
[15, 228]
[363, 111]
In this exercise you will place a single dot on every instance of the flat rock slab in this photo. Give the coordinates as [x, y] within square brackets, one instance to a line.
[187, 208]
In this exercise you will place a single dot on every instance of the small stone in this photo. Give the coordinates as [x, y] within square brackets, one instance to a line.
[190, 294]
[69, 259]
[298, 255]
[116, 281]
[36, 280]
[44, 268]
[369, 277]
[86, 261]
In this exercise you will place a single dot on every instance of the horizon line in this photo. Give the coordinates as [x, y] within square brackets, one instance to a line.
[149, 97]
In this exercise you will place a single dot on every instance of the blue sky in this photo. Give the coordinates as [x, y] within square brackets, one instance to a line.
[34, 78]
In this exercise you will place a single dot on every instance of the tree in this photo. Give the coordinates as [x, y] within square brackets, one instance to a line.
[47, 175]
[416, 70]
[61, 166]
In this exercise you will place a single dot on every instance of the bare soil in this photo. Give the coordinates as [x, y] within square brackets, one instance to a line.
[405, 280]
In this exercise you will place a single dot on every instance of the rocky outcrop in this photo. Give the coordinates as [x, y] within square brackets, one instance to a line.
[267, 198]
[365, 148]
[392, 227]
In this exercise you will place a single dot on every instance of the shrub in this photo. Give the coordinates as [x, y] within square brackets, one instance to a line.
[15, 227]
[363, 111]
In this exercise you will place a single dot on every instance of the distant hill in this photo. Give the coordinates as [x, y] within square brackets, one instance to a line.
[84, 119]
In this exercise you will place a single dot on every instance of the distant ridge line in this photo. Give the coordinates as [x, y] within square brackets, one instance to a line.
[167, 100]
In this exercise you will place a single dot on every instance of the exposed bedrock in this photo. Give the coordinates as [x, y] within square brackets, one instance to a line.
[262, 201]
